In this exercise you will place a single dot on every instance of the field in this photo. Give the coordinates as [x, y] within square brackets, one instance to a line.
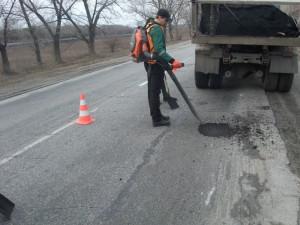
[22, 58]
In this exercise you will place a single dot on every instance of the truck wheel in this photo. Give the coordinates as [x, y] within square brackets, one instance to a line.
[201, 80]
[271, 82]
[215, 81]
[285, 82]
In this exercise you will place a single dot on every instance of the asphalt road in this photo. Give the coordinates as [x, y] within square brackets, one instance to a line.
[121, 171]
[286, 108]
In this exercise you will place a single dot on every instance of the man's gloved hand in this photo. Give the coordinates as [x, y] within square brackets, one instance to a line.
[176, 65]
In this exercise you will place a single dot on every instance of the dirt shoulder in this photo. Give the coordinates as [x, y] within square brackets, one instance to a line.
[14, 85]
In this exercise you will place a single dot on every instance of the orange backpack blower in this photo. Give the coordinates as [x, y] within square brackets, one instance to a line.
[139, 46]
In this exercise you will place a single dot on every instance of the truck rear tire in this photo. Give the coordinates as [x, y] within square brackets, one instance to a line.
[271, 82]
[215, 81]
[285, 82]
[201, 80]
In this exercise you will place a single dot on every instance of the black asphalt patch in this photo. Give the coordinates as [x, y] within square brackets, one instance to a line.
[216, 130]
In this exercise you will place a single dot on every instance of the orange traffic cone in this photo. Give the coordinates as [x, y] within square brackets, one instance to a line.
[84, 115]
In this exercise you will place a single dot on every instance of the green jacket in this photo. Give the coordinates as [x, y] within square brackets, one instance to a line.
[159, 42]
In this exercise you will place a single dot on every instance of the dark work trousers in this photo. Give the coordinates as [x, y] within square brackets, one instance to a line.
[165, 89]
[155, 74]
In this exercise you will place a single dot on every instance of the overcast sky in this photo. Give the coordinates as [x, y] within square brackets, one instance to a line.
[124, 18]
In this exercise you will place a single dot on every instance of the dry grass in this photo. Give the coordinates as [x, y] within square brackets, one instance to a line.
[74, 54]
[22, 59]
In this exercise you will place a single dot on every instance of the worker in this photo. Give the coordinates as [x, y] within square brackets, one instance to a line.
[157, 44]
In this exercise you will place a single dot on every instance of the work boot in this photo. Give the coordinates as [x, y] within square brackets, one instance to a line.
[161, 122]
[165, 99]
[173, 103]
[168, 98]
[165, 117]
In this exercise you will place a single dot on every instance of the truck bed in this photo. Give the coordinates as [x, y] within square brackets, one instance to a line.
[235, 40]
[281, 2]
[199, 38]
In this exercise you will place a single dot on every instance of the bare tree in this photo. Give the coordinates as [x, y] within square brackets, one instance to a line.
[32, 33]
[181, 14]
[94, 11]
[148, 8]
[6, 11]
[186, 16]
[175, 7]
[142, 8]
[112, 43]
[42, 11]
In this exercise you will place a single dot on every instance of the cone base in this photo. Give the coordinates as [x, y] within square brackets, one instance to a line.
[80, 122]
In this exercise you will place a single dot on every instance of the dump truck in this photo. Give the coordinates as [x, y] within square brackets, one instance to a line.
[224, 56]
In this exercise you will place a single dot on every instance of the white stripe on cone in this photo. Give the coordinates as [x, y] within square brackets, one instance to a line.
[84, 113]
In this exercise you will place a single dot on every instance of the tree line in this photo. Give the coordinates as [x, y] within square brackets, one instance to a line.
[83, 15]
[180, 11]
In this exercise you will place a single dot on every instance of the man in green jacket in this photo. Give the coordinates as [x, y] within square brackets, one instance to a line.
[155, 71]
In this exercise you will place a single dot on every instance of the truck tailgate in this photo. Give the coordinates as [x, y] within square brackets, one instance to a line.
[230, 40]
[281, 2]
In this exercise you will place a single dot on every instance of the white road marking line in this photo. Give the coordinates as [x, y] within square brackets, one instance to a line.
[143, 84]
[35, 143]
[62, 128]
[46, 137]
[25, 149]
[95, 110]
[173, 48]
[210, 195]
[39, 141]
[52, 86]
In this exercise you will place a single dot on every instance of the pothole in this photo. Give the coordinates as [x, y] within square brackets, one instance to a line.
[217, 130]
[264, 107]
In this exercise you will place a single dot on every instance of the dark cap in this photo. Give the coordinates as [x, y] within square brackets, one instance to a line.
[164, 13]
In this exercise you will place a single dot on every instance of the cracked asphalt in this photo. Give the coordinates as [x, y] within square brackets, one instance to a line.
[121, 171]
